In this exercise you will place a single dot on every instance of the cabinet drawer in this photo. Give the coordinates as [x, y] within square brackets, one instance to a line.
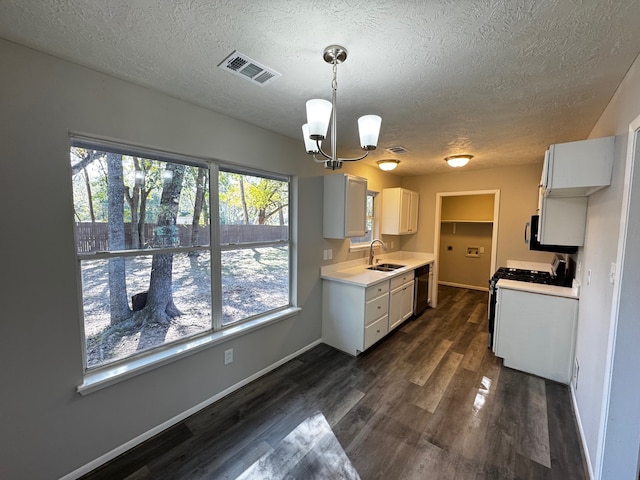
[375, 331]
[376, 290]
[402, 279]
[376, 308]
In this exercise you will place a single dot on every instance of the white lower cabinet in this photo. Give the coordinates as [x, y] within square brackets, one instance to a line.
[354, 317]
[535, 333]
[401, 299]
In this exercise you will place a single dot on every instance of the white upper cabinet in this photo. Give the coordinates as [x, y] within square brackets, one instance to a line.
[399, 211]
[577, 169]
[563, 221]
[345, 206]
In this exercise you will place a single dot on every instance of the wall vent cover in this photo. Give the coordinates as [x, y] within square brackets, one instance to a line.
[244, 67]
[396, 149]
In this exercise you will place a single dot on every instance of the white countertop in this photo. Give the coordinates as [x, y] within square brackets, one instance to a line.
[355, 272]
[539, 288]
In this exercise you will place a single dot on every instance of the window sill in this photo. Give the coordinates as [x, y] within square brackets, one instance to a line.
[103, 378]
[359, 247]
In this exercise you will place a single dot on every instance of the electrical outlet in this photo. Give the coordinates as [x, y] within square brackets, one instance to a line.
[330, 254]
[228, 356]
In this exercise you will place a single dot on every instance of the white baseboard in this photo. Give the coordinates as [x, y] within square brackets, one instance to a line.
[460, 285]
[178, 418]
[583, 438]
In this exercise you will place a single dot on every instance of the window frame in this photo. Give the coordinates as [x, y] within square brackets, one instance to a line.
[217, 316]
[375, 232]
[100, 376]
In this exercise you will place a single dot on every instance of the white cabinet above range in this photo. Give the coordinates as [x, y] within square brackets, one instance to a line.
[577, 169]
[399, 211]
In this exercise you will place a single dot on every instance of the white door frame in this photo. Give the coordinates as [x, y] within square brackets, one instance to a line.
[618, 445]
[436, 240]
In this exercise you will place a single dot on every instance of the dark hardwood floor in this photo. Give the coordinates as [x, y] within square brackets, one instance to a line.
[430, 401]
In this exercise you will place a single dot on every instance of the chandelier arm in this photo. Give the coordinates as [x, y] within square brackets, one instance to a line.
[319, 160]
[327, 156]
[354, 159]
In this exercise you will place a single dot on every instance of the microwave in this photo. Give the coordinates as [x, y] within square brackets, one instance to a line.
[534, 244]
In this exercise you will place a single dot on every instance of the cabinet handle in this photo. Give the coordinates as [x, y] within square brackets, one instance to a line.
[379, 307]
[526, 227]
[378, 331]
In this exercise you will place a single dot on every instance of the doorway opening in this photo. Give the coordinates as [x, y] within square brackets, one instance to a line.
[466, 237]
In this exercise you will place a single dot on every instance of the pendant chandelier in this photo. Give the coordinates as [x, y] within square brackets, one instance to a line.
[322, 112]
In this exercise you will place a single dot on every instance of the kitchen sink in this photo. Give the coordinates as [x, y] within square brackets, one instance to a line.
[385, 267]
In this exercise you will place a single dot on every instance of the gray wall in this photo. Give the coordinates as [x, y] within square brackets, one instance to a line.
[608, 328]
[48, 430]
[518, 187]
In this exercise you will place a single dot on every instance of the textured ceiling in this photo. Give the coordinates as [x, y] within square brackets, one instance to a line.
[499, 79]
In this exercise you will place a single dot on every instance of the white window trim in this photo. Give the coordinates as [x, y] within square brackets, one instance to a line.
[129, 367]
[134, 366]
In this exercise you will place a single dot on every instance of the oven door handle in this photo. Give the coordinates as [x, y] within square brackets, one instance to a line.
[526, 228]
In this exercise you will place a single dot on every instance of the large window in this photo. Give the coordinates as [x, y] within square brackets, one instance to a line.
[150, 273]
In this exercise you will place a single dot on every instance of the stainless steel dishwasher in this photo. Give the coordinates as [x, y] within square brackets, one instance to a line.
[421, 297]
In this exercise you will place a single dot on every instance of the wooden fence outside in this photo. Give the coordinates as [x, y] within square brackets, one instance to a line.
[93, 237]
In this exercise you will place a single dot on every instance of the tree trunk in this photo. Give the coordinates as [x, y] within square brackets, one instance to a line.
[133, 199]
[143, 217]
[197, 206]
[118, 300]
[88, 185]
[160, 307]
[244, 201]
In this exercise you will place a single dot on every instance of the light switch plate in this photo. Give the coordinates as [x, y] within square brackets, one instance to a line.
[612, 273]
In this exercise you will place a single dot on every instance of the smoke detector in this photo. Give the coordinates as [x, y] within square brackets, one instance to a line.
[245, 67]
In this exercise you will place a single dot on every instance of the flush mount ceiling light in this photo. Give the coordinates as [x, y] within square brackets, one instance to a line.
[458, 160]
[388, 164]
[321, 112]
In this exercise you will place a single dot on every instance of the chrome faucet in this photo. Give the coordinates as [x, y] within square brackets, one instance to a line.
[384, 247]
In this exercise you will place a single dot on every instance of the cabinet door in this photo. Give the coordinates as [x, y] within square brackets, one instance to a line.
[344, 206]
[579, 168]
[407, 299]
[355, 207]
[413, 213]
[399, 211]
[405, 213]
[563, 221]
[395, 307]
[400, 304]
[535, 333]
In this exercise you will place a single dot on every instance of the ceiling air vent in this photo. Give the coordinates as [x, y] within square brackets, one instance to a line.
[244, 67]
[397, 149]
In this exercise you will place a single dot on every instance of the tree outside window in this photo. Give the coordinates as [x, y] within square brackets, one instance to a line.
[143, 230]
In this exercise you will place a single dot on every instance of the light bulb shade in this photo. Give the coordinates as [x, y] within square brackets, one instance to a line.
[457, 161]
[388, 164]
[369, 129]
[318, 116]
[310, 145]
